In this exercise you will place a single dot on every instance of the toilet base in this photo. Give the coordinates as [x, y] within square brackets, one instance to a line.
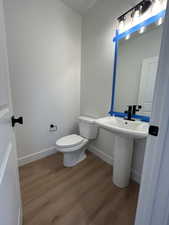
[73, 158]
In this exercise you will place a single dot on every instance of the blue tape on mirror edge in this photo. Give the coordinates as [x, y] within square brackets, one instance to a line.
[139, 117]
[114, 72]
[118, 37]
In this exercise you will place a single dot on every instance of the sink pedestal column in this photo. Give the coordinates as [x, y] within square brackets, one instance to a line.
[123, 150]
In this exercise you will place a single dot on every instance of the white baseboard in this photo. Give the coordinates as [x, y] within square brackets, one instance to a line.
[101, 154]
[35, 156]
[136, 176]
[20, 217]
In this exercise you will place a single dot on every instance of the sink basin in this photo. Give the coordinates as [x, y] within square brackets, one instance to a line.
[125, 132]
[135, 129]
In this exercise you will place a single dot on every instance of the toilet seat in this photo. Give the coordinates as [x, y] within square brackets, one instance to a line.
[70, 143]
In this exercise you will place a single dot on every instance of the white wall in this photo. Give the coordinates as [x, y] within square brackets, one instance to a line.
[44, 49]
[97, 65]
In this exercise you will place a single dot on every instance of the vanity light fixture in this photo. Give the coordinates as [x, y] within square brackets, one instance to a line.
[140, 8]
[137, 18]
[135, 13]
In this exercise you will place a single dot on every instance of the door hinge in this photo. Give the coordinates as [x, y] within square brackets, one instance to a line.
[153, 130]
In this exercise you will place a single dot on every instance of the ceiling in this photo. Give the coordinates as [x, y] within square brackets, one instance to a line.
[80, 6]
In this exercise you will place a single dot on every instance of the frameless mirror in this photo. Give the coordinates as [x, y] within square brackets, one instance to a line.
[137, 64]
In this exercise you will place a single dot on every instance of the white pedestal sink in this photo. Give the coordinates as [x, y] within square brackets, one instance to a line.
[125, 132]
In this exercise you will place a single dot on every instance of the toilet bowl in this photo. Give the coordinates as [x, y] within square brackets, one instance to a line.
[74, 146]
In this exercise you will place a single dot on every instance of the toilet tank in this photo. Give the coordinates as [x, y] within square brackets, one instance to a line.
[87, 127]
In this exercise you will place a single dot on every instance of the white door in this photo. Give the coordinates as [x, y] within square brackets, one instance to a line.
[153, 204]
[147, 83]
[10, 204]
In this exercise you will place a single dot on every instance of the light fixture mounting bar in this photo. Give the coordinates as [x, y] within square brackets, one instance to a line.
[143, 6]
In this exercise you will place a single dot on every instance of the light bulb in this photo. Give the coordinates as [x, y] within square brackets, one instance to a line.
[121, 25]
[160, 21]
[142, 29]
[157, 6]
[127, 37]
[136, 15]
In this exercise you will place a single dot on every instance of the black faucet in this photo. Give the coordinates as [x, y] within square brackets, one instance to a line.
[132, 109]
[129, 112]
[136, 108]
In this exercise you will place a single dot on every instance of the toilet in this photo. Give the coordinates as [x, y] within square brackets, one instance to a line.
[74, 146]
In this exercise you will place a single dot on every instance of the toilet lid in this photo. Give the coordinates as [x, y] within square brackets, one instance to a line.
[69, 141]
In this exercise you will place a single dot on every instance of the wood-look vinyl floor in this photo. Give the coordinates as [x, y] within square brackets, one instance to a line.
[82, 195]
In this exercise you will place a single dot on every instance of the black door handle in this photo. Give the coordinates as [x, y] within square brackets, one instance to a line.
[16, 120]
